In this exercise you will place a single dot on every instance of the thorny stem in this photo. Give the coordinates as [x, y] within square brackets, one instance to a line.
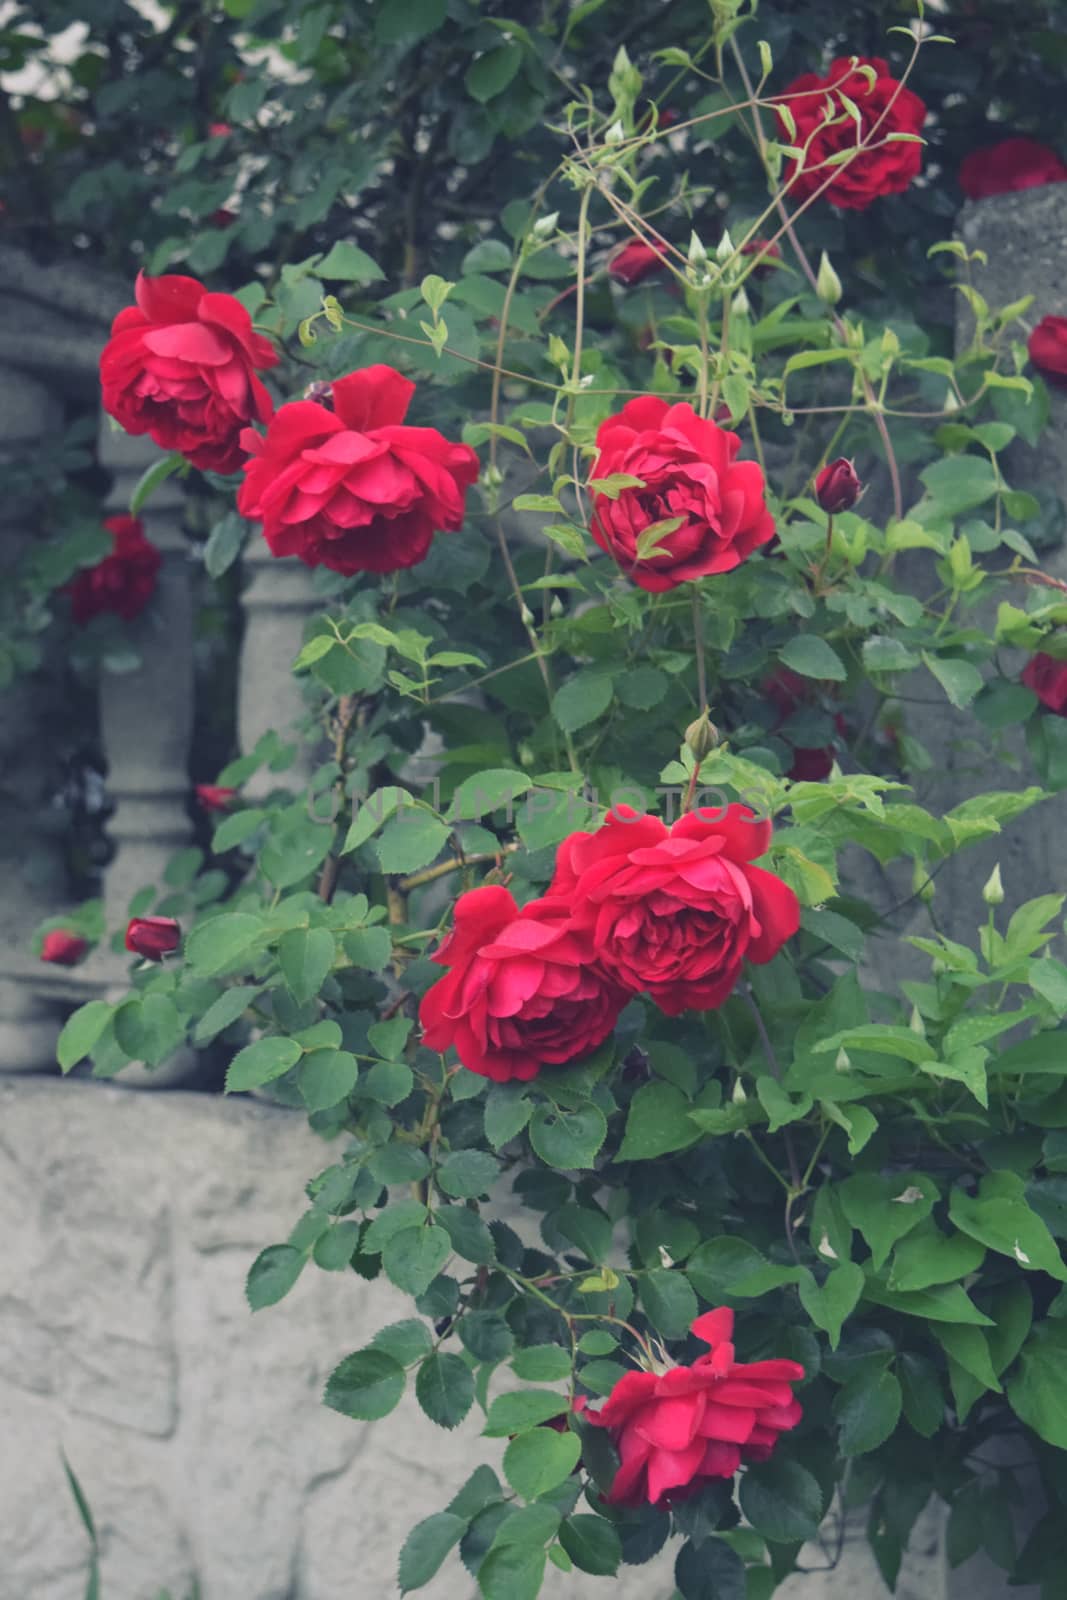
[347, 708]
[431, 874]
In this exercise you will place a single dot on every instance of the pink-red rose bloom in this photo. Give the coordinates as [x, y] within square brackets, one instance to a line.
[212, 797]
[153, 937]
[63, 948]
[1047, 677]
[122, 582]
[1011, 164]
[1048, 348]
[522, 992]
[872, 173]
[673, 912]
[354, 488]
[634, 262]
[181, 366]
[677, 1429]
[837, 486]
[689, 474]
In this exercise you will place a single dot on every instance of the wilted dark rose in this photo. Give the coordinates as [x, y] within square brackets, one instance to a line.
[1011, 164]
[124, 581]
[523, 990]
[1047, 677]
[884, 107]
[181, 366]
[353, 487]
[707, 508]
[153, 937]
[1048, 348]
[673, 912]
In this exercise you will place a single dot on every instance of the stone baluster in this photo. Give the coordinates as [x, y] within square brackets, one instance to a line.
[278, 599]
[31, 862]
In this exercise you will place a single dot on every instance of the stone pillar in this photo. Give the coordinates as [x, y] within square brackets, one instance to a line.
[31, 863]
[278, 599]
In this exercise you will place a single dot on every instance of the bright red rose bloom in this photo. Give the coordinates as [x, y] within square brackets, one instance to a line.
[211, 797]
[677, 1429]
[353, 488]
[1047, 677]
[63, 948]
[124, 581]
[181, 366]
[673, 912]
[690, 476]
[1048, 348]
[837, 486]
[884, 108]
[153, 937]
[523, 991]
[635, 262]
[1011, 164]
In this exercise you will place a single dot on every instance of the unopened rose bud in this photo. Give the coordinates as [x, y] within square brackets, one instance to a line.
[63, 948]
[738, 1096]
[739, 305]
[698, 256]
[556, 608]
[615, 134]
[993, 892]
[827, 283]
[842, 1061]
[702, 736]
[725, 248]
[214, 797]
[837, 486]
[545, 227]
[153, 937]
[527, 616]
[916, 1024]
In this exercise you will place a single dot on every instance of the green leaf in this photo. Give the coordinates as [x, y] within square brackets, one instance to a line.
[710, 1570]
[326, 1078]
[237, 829]
[334, 1249]
[657, 1123]
[568, 1139]
[669, 1301]
[305, 956]
[347, 263]
[413, 1257]
[958, 483]
[927, 1256]
[542, 1363]
[224, 1012]
[272, 1274]
[465, 1174]
[733, 1267]
[372, 813]
[512, 1572]
[225, 543]
[486, 1335]
[830, 1305]
[582, 699]
[407, 1341]
[1038, 1392]
[507, 1112]
[1006, 1224]
[781, 1500]
[885, 1209]
[536, 1462]
[407, 21]
[365, 1386]
[960, 680]
[485, 792]
[426, 1547]
[444, 1388]
[924, 1403]
[82, 1031]
[521, 1410]
[151, 478]
[883, 1037]
[261, 1063]
[867, 1410]
[470, 1237]
[812, 657]
[1049, 978]
[411, 840]
[592, 1544]
[223, 942]
[969, 1348]
[370, 948]
[294, 852]
[943, 1303]
[490, 74]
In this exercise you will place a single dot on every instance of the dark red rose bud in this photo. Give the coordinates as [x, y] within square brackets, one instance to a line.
[635, 262]
[212, 797]
[63, 948]
[1047, 677]
[837, 487]
[153, 937]
[1047, 347]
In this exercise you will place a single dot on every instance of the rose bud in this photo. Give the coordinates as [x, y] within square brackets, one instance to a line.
[837, 486]
[63, 948]
[702, 736]
[212, 797]
[153, 937]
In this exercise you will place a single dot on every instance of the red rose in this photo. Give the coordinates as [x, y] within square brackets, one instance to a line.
[1047, 677]
[689, 477]
[122, 582]
[788, 692]
[153, 937]
[352, 488]
[675, 911]
[213, 798]
[219, 130]
[766, 253]
[181, 366]
[635, 262]
[677, 1429]
[522, 992]
[837, 486]
[884, 107]
[1048, 348]
[1011, 164]
[63, 947]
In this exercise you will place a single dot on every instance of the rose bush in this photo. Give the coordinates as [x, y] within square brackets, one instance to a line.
[658, 1032]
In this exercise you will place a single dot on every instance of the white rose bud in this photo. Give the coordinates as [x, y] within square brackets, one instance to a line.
[993, 891]
[827, 283]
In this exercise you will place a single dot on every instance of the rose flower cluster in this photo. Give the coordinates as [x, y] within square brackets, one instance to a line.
[635, 907]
